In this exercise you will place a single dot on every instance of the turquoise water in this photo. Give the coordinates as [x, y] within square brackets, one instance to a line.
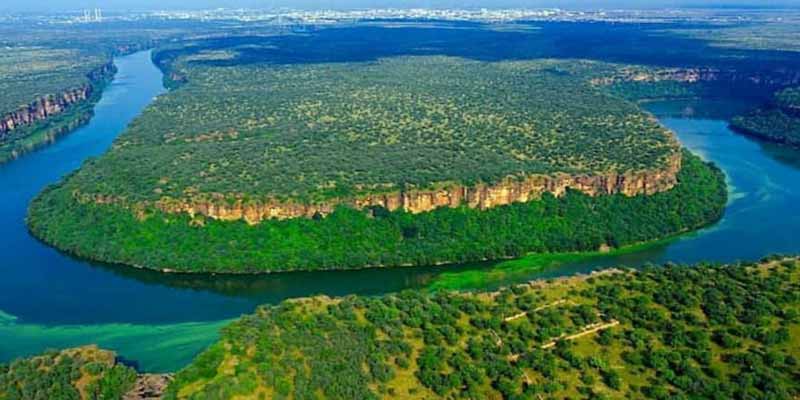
[761, 218]
[48, 299]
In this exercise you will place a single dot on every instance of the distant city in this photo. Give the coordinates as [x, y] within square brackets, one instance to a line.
[95, 15]
[326, 17]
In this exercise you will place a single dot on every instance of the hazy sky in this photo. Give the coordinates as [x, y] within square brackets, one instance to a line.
[59, 5]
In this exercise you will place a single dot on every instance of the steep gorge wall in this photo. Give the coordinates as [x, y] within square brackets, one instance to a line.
[51, 105]
[775, 77]
[479, 196]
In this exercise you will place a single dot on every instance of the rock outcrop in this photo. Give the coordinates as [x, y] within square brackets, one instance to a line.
[48, 106]
[777, 77]
[149, 387]
[479, 196]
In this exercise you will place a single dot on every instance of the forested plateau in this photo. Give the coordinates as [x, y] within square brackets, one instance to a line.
[322, 133]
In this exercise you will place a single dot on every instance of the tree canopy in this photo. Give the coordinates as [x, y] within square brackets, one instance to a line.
[706, 331]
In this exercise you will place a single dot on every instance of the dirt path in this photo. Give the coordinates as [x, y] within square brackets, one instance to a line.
[537, 309]
[587, 330]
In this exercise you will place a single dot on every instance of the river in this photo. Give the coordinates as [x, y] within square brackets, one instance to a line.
[160, 321]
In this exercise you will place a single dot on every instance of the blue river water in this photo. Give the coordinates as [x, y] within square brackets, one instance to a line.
[49, 299]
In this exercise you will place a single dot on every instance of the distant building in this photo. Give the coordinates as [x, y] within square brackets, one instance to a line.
[95, 15]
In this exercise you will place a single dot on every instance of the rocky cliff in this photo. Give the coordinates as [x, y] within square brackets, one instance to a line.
[481, 196]
[149, 387]
[47, 106]
[775, 77]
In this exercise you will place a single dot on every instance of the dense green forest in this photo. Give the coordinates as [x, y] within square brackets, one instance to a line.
[85, 373]
[710, 332]
[314, 131]
[673, 89]
[350, 238]
[779, 121]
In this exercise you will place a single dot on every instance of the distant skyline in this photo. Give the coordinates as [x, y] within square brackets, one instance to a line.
[120, 5]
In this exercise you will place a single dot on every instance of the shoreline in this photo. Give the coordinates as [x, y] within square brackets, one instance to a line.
[496, 262]
[538, 262]
[763, 137]
[45, 131]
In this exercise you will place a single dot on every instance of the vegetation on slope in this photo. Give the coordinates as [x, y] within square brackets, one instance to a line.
[30, 73]
[718, 332]
[351, 238]
[42, 59]
[778, 122]
[34, 81]
[85, 373]
[62, 69]
[319, 131]
[30, 137]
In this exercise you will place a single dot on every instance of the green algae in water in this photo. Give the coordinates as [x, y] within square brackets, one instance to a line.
[523, 269]
[6, 318]
[157, 348]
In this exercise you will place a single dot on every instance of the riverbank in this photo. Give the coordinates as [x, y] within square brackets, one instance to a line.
[777, 121]
[516, 270]
[352, 239]
[787, 135]
[52, 117]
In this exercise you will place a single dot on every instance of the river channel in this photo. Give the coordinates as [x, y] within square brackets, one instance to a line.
[160, 321]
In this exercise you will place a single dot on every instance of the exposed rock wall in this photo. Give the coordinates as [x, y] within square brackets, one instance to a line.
[48, 106]
[149, 387]
[776, 77]
[480, 196]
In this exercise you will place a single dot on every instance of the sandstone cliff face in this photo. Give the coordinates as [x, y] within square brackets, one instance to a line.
[776, 77]
[47, 106]
[480, 196]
